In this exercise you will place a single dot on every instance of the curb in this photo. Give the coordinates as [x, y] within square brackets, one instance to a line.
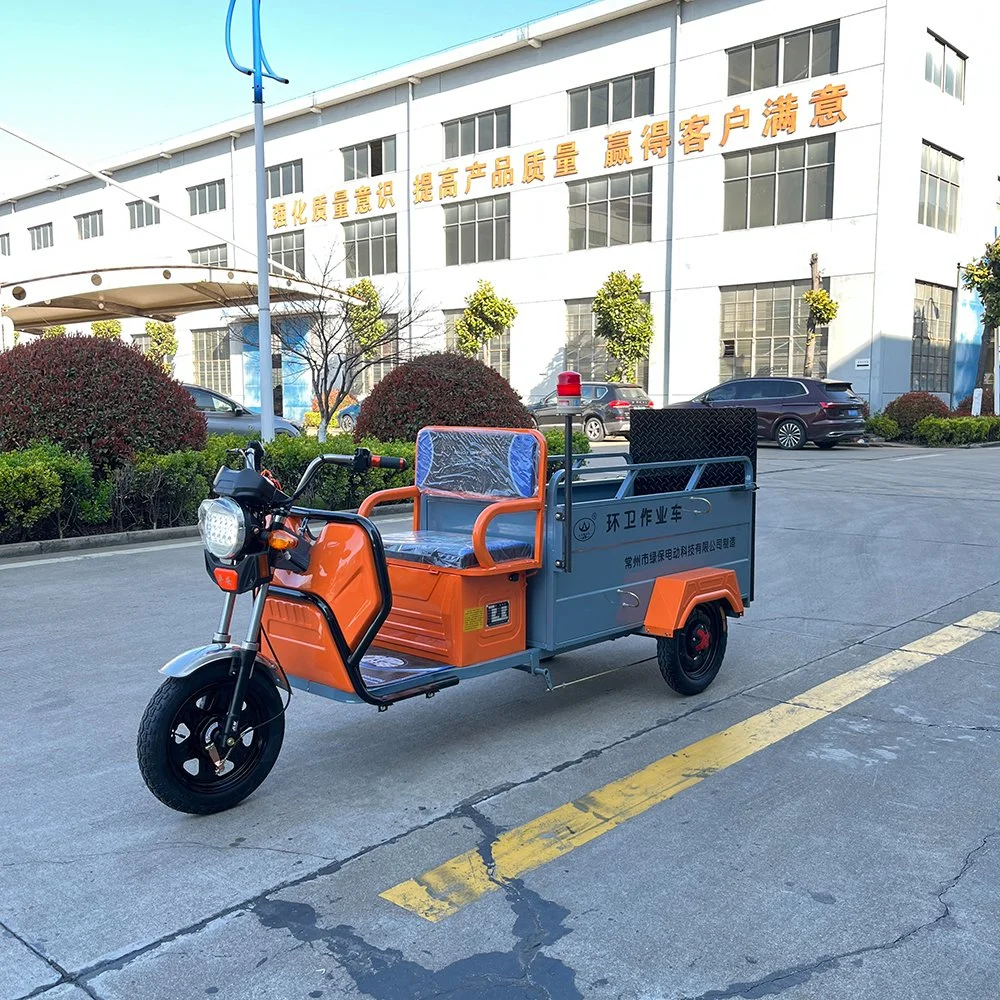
[20, 550]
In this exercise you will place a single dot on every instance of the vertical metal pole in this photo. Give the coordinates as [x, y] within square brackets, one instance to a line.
[671, 166]
[568, 486]
[263, 288]
[409, 223]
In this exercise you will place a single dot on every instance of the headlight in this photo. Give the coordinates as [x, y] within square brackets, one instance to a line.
[223, 527]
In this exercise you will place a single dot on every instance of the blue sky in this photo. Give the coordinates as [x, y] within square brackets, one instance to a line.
[95, 78]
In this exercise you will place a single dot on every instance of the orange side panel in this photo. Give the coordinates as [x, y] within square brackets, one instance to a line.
[301, 640]
[452, 617]
[676, 595]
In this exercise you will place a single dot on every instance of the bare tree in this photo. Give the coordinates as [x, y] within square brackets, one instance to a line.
[337, 342]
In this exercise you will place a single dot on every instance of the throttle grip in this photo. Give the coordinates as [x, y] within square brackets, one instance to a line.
[388, 462]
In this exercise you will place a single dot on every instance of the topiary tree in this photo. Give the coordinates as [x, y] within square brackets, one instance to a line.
[625, 321]
[109, 329]
[53, 331]
[446, 389]
[822, 312]
[162, 343]
[910, 408]
[96, 397]
[486, 316]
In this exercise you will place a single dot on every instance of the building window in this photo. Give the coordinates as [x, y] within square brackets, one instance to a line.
[211, 359]
[587, 353]
[284, 178]
[495, 353]
[370, 159]
[289, 249]
[944, 67]
[142, 342]
[477, 230]
[611, 211]
[90, 225]
[209, 197]
[763, 331]
[938, 189]
[217, 256]
[388, 355]
[796, 56]
[140, 214]
[4, 244]
[488, 130]
[41, 236]
[611, 100]
[930, 356]
[775, 185]
[370, 245]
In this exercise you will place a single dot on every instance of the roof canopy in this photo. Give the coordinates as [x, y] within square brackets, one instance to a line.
[159, 292]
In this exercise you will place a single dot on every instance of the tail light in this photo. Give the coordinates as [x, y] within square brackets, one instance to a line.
[617, 404]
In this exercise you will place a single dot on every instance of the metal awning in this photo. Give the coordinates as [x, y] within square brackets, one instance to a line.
[154, 292]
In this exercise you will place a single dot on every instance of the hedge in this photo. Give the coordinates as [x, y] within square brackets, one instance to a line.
[46, 492]
[936, 431]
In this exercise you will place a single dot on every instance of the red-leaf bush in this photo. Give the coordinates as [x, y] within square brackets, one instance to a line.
[100, 398]
[964, 409]
[445, 389]
[910, 408]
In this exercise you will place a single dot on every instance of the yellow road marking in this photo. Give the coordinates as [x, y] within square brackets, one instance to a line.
[446, 889]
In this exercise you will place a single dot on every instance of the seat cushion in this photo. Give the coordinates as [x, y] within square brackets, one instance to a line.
[452, 549]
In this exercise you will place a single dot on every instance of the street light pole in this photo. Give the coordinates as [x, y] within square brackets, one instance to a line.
[260, 69]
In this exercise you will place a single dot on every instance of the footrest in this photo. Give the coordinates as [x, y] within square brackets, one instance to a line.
[382, 667]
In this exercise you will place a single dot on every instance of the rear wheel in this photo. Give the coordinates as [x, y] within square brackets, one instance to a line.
[593, 427]
[690, 659]
[180, 720]
[790, 435]
[347, 424]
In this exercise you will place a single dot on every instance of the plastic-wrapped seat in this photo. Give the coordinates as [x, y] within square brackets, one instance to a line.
[450, 548]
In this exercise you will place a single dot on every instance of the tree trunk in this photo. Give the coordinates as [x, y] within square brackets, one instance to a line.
[810, 358]
[324, 421]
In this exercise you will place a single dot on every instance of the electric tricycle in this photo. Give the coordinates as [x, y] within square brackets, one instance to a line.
[511, 559]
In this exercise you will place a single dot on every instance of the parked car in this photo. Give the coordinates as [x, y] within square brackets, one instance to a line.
[605, 408]
[225, 416]
[347, 418]
[792, 411]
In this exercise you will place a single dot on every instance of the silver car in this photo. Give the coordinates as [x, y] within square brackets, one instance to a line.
[225, 416]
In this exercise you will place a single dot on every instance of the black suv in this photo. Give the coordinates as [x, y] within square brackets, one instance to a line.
[792, 411]
[605, 408]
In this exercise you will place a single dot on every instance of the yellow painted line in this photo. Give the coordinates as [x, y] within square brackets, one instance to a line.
[446, 889]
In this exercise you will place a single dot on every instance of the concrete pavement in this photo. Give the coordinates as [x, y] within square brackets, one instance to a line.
[857, 857]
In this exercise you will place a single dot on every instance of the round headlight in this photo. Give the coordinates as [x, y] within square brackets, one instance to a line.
[223, 527]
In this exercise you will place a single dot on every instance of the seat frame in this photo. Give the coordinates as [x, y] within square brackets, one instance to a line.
[496, 507]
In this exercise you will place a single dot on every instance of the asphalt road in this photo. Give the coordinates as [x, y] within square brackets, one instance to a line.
[840, 839]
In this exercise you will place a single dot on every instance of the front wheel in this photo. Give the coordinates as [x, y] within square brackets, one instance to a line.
[690, 659]
[347, 424]
[790, 435]
[184, 715]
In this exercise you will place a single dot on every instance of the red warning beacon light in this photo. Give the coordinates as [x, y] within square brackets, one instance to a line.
[568, 390]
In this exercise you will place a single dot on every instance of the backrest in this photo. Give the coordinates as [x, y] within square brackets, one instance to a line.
[479, 462]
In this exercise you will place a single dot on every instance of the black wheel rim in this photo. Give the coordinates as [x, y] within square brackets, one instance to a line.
[197, 719]
[699, 644]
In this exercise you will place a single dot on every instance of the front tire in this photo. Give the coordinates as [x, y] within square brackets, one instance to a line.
[790, 435]
[177, 723]
[593, 427]
[690, 659]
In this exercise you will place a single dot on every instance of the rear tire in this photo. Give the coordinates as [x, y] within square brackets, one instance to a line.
[690, 659]
[179, 718]
[790, 435]
[347, 424]
[593, 427]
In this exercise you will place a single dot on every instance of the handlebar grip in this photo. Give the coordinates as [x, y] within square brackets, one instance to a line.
[388, 462]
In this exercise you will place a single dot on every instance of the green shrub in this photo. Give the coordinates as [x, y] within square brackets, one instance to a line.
[555, 440]
[95, 397]
[910, 408]
[882, 426]
[439, 389]
[937, 431]
[29, 493]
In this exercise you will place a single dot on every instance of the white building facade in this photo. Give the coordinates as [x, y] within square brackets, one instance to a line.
[711, 146]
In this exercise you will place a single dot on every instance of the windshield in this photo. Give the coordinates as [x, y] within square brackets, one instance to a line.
[840, 392]
[633, 394]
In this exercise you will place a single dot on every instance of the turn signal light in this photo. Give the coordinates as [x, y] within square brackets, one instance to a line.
[280, 542]
[228, 579]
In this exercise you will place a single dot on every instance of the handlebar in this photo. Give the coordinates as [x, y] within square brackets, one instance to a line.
[389, 462]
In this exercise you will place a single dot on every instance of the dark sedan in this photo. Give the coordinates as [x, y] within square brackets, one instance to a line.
[792, 411]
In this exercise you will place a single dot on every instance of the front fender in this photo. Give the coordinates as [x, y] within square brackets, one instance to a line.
[194, 659]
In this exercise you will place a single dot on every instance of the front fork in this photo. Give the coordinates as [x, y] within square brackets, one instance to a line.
[243, 663]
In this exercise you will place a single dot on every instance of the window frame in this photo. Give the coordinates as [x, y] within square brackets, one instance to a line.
[608, 85]
[4, 244]
[223, 260]
[47, 233]
[218, 187]
[351, 152]
[480, 223]
[926, 349]
[953, 187]
[378, 369]
[150, 216]
[780, 43]
[599, 363]
[935, 40]
[277, 174]
[457, 127]
[742, 184]
[608, 203]
[213, 374]
[354, 239]
[487, 353]
[280, 255]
